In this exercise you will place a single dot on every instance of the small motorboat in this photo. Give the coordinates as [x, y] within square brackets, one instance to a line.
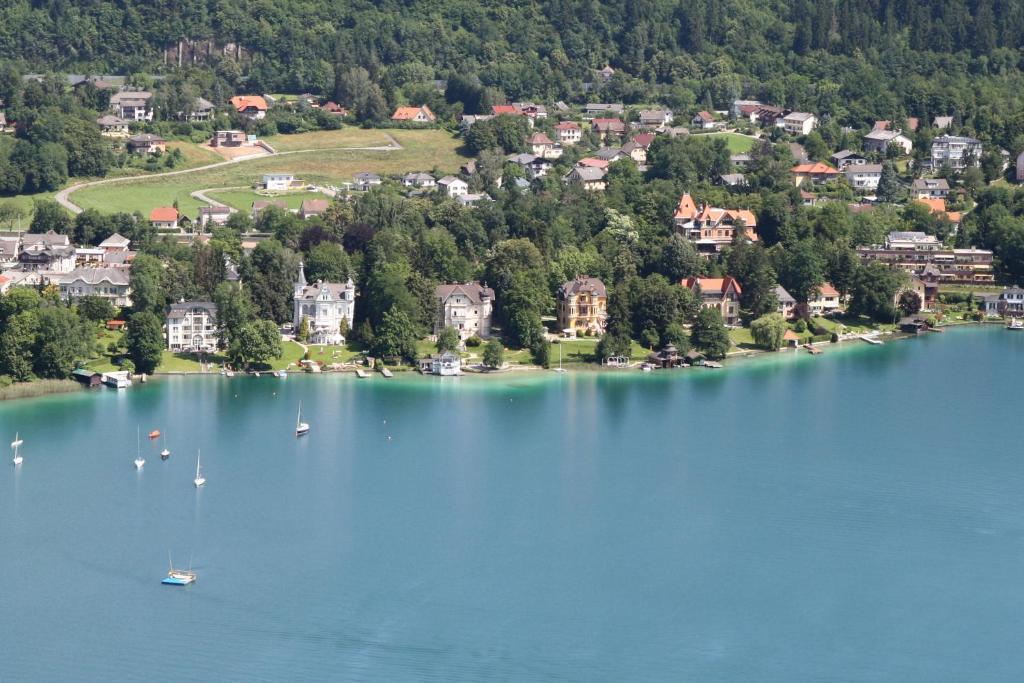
[155, 434]
[1015, 324]
[178, 577]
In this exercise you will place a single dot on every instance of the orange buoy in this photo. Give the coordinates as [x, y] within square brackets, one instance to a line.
[154, 434]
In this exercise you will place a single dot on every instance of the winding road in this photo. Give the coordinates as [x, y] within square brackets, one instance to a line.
[64, 196]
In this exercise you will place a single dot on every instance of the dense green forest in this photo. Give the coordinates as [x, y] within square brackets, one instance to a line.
[855, 60]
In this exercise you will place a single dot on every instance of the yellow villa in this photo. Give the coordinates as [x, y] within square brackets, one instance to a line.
[583, 305]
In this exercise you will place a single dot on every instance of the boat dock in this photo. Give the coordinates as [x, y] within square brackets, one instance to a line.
[813, 350]
[362, 374]
[387, 373]
[870, 340]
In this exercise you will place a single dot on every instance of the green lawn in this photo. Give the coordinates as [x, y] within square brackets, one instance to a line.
[329, 139]
[742, 338]
[422, 150]
[243, 199]
[326, 355]
[738, 144]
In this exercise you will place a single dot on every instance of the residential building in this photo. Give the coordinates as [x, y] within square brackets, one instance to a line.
[312, 207]
[635, 151]
[251, 107]
[115, 243]
[213, 215]
[864, 177]
[813, 173]
[453, 186]
[419, 180]
[466, 307]
[164, 218]
[335, 109]
[741, 160]
[655, 118]
[915, 241]
[583, 305]
[324, 305]
[45, 252]
[228, 138]
[606, 73]
[826, 303]
[110, 283]
[787, 304]
[955, 151]
[192, 327]
[799, 123]
[10, 245]
[921, 254]
[535, 167]
[591, 179]
[721, 293]
[202, 110]
[112, 126]
[147, 143]
[531, 110]
[260, 204]
[703, 120]
[847, 158]
[471, 199]
[610, 154]
[608, 128]
[568, 132]
[929, 188]
[710, 228]
[879, 140]
[132, 105]
[365, 181]
[277, 181]
[1020, 167]
[732, 180]
[593, 109]
[543, 146]
[1009, 302]
[421, 114]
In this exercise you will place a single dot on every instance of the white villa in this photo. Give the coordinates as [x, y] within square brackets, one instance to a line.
[192, 326]
[324, 305]
[466, 307]
[277, 181]
[110, 283]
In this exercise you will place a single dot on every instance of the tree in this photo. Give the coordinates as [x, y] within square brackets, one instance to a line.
[889, 189]
[303, 333]
[679, 258]
[874, 291]
[803, 271]
[394, 337]
[16, 345]
[96, 309]
[60, 340]
[909, 302]
[542, 353]
[327, 261]
[234, 309]
[144, 339]
[269, 273]
[494, 354]
[448, 340]
[750, 265]
[49, 215]
[768, 331]
[709, 333]
[257, 342]
[147, 284]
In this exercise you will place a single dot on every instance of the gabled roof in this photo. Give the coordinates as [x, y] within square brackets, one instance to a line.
[115, 240]
[567, 125]
[540, 138]
[644, 139]
[587, 173]
[410, 113]
[592, 162]
[783, 296]
[313, 206]
[687, 208]
[163, 214]
[145, 139]
[108, 120]
[584, 284]
[827, 290]
[94, 276]
[816, 168]
[722, 285]
[704, 116]
[243, 102]
[474, 292]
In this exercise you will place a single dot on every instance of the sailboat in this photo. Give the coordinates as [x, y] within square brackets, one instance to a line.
[559, 368]
[164, 454]
[200, 479]
[139, 460]
[300, 426]
[178, 577]
[14, 447]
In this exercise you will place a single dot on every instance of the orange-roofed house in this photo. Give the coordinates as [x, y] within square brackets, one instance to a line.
[815, 173]
[164, 218]
[592, 162]
[722, 293]
[544, 147]
[937, 206]
[499, 109]
[711, 228]
[569, 132]
[421, 114]
[250, 106]
[828, 301]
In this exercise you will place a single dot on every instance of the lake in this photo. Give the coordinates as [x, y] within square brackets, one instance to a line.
[856, 516]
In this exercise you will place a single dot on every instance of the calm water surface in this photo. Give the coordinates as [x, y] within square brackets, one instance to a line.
[858, 516]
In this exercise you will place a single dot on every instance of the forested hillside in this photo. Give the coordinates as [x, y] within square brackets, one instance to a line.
[857, 59]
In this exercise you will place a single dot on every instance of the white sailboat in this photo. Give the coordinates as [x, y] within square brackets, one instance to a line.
[164, 454]
[14, 447]
[300, 426]
[139, 460]
[200, 479]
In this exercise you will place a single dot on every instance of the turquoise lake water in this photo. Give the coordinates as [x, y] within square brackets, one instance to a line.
[856, 516]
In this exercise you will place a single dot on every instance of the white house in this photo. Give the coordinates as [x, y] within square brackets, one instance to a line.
[863, 176]
[192, 326]
[956, 152]
[879, 140]
[569, 132]
[454, 187]
[277, 181]
[115, 243]
[109, 283]
[420, 180]
[324, 305]
[366, 180]
[799, 123]
[465, 307]
[164, 218]
[929, 188]
[827, 302]
[446, 364]
[216, 215]
[132, 105]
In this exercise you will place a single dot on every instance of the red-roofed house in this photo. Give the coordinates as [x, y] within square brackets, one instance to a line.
[164, 218]
[335, 108]
[703, 119]
[609, 128]
[815, 173]
[499, 109]
[644, 139]
[827, 302]
[421, 114]
[569, 132]
[544, 147]
[711, 228]
[722, 293]
[250, 106]
[592, 162]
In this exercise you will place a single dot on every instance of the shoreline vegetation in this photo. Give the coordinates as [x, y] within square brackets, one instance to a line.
[42, 387]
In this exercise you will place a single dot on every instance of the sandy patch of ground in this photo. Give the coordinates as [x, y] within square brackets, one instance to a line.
[238, 152]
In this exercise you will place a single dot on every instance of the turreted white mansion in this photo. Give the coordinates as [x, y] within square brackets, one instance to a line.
[324, 305]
